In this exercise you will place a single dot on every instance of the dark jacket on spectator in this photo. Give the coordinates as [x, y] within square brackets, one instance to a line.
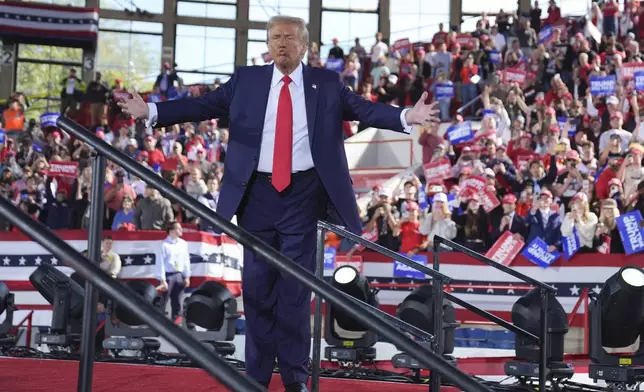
[153, 214]
[551, 234]
[59, 216]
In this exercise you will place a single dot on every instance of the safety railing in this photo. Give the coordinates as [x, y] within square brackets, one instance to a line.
[439, 280]
[545, 289]
[271, 255]
[126, 297]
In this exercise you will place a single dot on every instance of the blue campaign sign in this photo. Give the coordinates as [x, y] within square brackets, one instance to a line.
[537, 253]
[404, 271]
[3, 136]
[631, 233]
[545, 34]
[460, 133]
[329, 258]
[570, 245]
[422, 197]
[335, 65]
[49, 119]
[572, 127]
[495, 57]
[444, 90]
[639, 81]
[603, 85]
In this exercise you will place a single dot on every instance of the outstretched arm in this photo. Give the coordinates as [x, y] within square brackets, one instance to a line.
[386, 116]
[213, 105]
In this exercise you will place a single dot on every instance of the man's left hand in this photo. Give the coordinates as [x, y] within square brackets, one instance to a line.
[422, 113]
[186, 282]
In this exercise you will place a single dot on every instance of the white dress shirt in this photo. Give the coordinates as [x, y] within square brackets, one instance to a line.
[302, 157]
[175, 257]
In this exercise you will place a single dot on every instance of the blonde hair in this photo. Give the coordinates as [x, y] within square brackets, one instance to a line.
[283, 19]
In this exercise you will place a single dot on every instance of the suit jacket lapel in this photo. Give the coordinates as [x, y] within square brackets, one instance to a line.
[263, 91]
[311, 100]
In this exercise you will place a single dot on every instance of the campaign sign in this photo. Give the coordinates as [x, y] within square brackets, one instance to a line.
[369, 236]
[335, 65]
[570, 245]
[475, 183]
[404, 271]
[437, 171]
[545, 34]
[505, 249]
[49, 119]
[537, 253]
[639, 81]
[495, 57]
[630, 69]
[460, 133]
[603, 85]
[63, 169]
[514, 75]
[489, 201]
[329, 258]
[354, 261]
[402, 46]
[631, 233]
[3, 136]
[422, 197]
[444, 91]
[572, 127]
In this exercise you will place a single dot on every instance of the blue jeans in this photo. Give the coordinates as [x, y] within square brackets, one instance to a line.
[468, 93]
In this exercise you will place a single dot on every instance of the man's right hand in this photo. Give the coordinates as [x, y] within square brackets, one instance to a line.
[135, 106]
[163, 286]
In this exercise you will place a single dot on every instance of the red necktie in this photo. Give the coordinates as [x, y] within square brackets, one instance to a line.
[283, 151]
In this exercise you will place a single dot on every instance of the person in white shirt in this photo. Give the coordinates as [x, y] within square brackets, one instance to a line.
[379, 49]
[173, 268]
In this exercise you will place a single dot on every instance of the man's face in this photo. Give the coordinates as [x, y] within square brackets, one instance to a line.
[285, 45]
[107, 245]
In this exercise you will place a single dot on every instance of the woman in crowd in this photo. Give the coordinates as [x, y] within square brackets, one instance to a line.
[607, 238]
[439, 221]
[580, 221]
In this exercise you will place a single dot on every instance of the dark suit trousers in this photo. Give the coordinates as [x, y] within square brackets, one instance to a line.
[176, 286]
[276, 307]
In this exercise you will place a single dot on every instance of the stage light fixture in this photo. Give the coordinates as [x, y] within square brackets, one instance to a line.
[349, 340]
[617, 321]
[526, 314]
[7, 307]
[66, 296]
[417, 309]
[214, 308]
[126, 329]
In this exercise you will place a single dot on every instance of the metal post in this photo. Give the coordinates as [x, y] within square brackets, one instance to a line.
[85, 370]
[317, 315]
[437, 345]
[543, 340]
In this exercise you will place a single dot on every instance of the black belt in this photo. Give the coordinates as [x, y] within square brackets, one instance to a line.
[294, 176]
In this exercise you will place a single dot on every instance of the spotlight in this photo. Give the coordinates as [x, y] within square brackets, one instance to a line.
[6, 304]
[349, 340]
[213, 307]
[66, 296]
[417, 309]
[526, 314]
[120, 322]
[617, 321]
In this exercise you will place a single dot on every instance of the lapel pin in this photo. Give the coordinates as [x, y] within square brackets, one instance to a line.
[314, 86]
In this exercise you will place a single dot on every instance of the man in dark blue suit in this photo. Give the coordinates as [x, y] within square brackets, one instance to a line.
[286, 168]
[505, 219]
[544, 223]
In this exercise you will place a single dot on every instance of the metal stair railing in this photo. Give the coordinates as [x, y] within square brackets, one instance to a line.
[544, 289]
[215, 365]
[275, 258]
[438, 294]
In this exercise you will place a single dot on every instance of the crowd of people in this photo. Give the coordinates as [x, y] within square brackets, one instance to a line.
[555, 157]
[552, 156]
